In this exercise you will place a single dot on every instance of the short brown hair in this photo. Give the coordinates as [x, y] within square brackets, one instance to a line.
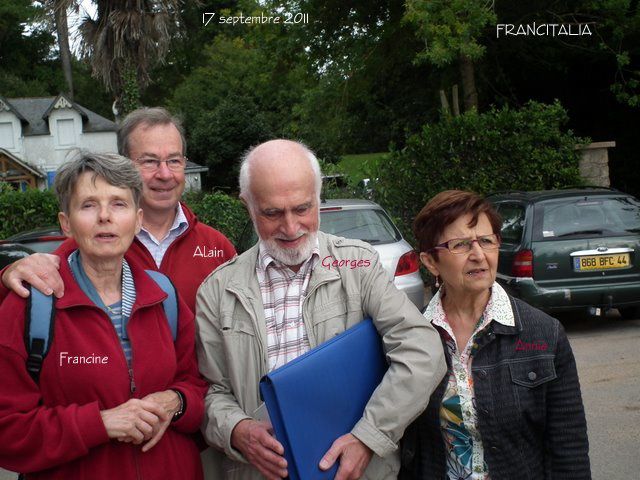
[444, 209]
[149, 117]
[114, 169]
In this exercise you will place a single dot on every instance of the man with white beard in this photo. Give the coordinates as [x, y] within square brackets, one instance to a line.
[276, 301]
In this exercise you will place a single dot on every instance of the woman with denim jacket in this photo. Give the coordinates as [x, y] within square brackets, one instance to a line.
[510, 405]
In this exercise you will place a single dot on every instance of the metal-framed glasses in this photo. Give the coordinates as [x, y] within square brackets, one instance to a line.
[150, 164]
[464, 245]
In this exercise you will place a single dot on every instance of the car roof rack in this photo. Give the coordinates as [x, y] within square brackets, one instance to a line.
[505, 192]
[588, 187]
[557, 192]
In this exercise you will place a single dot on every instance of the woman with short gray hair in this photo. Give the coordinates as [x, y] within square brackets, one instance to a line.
[118, 394]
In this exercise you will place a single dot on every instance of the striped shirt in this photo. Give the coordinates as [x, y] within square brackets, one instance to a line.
[157, 248]
[118, 312]
[283, 292]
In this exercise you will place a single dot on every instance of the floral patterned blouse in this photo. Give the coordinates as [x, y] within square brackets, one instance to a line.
[458, 416]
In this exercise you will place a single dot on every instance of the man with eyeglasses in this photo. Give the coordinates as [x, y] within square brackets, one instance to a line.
[171, 240]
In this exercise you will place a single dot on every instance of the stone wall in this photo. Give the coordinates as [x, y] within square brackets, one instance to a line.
[594, 163]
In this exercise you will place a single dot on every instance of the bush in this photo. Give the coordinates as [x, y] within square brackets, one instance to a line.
[505, 149]
[221, 211]
[26, 210]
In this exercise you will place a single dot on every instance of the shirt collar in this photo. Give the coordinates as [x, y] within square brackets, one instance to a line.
[265, 259]
[128, 292]
[180, 222]
[498, 308]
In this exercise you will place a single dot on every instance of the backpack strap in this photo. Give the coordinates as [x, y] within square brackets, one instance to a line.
[38, 330]
[170, 304]
[40, 320]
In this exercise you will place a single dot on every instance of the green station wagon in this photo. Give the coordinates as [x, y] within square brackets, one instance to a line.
[571, 249]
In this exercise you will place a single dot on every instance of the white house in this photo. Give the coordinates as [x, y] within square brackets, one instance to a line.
[37, 135]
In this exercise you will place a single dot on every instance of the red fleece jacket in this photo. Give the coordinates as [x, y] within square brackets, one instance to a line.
[54, 429]
[187, 262]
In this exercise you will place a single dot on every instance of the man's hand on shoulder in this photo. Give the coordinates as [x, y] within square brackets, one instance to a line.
[353, 454]
[39, 270]
[260, 448]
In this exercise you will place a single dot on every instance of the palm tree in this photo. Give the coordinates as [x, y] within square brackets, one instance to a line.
[125, 40]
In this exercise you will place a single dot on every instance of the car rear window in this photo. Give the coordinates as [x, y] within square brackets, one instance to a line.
[512, 222]
[586, 217]
[370, 225]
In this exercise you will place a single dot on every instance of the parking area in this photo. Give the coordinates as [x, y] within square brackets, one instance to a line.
[607, 351]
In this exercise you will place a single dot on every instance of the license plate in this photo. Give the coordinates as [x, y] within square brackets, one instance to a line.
[601, 262]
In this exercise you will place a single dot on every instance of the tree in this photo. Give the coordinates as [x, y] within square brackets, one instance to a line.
[363, 90]
[236, 99]
[451, 30]
[125, 40]
[59, 10]
[187, 50]
[25, 68]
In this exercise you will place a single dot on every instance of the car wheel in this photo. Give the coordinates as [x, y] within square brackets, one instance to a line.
[629, 313]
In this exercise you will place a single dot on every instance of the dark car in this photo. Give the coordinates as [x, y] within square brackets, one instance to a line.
[23, 244]
[571, 249]
[10, 252]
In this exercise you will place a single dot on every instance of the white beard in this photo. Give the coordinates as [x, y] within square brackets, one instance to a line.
[291, 256]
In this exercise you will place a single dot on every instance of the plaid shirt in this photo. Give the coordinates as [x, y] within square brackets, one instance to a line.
[283, 292]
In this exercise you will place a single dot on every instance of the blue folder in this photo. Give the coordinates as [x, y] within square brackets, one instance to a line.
[321, 395]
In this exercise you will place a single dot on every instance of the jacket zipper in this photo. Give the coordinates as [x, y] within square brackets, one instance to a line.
[132, 384]
[132, 389]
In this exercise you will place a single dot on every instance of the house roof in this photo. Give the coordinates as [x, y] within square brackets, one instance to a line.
[4, 104]
[34, 113]
[33, 170]
[193, 167]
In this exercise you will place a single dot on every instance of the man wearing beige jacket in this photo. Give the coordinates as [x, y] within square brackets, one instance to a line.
[276, 301]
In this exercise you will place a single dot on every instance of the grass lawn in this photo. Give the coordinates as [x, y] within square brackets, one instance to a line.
[359, 166]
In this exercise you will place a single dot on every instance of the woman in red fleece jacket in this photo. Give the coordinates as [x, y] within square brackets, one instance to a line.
[116, 396]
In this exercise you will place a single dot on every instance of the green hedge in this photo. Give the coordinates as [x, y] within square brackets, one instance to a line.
[26, 210]
[221, 211]
[502, 149]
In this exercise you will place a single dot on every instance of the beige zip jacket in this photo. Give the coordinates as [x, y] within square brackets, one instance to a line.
[231, 343]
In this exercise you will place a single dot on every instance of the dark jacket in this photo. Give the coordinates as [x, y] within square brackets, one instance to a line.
[530, 413]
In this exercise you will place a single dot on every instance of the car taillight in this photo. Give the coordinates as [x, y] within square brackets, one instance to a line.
[408, 263]
[523, 264]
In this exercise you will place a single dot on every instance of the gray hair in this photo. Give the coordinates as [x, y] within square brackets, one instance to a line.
[148, 117]
[245, 176]
[115, 169]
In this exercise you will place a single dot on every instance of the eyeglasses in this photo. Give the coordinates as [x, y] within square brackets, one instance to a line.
[175, 164]
[459, 246]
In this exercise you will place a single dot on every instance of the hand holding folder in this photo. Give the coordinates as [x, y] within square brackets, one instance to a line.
[321, 395]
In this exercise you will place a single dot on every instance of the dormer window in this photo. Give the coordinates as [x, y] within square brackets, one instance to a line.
[65, 132]
[7, 139]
